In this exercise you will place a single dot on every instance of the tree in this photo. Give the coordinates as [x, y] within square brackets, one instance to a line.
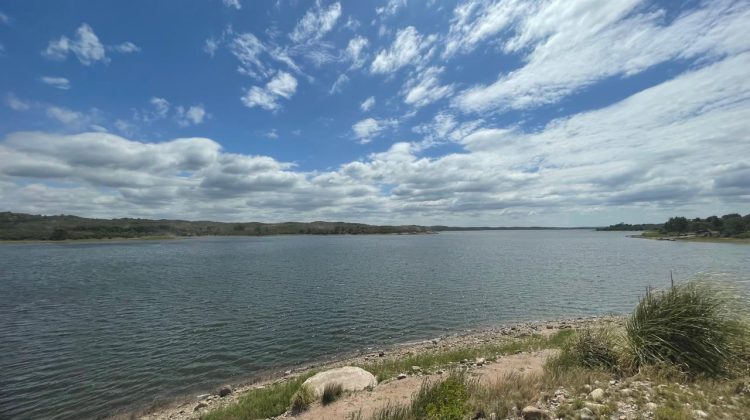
[733, 226]
[676, 224]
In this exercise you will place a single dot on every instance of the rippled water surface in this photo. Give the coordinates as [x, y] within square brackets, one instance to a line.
[92, 329]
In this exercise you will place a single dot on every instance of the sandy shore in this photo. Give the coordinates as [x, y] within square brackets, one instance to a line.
[185, 408]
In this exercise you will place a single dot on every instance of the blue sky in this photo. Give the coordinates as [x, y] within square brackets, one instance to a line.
[473, 112]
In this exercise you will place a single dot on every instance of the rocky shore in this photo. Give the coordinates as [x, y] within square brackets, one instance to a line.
[192, 407]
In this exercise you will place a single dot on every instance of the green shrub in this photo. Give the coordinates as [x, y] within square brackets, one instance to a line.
[302, 399]
[699, 327]
[597, 349]
[331, 393]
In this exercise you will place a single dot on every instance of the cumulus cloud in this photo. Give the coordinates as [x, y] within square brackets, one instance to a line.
[57, 82]
[283, 85]
[193, 115]
[369, 128]
[390, 8]
[571, 45]
[162, 109]
[367, 104]
[409, 48]
[85, 46]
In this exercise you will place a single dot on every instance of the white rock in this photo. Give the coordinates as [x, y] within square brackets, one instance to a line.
[401, 376]
[597, 394]
[349, 377]
[651, 406]
[700, 414]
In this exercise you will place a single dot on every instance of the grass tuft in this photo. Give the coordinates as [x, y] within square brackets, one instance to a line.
[445, 400]
[698, 327]
[302, 399]
[331, 393]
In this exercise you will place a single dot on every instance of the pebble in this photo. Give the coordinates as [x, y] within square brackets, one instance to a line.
[381, 354]
[200, 405]
[700, 414]
[401, 376]
[480, 361]
[585, 414]
[651, 406]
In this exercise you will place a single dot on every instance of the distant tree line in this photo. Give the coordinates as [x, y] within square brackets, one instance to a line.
[20, 226]
[729, 225]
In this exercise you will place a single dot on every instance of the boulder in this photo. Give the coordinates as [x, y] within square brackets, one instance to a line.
[225, 390]
[349, 377]
[533, 413]
[597, 394]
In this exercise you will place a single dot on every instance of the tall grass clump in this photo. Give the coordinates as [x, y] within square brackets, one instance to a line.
[700, 327]
[331, 393]
[302, 399]
[445, 400]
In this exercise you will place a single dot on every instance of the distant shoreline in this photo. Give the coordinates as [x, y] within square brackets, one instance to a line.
[717, 240]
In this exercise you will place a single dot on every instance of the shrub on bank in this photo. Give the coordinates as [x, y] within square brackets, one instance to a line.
[698, 327]
[331, 393]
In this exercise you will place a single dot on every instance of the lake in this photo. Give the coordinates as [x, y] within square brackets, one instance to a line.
[91, 329]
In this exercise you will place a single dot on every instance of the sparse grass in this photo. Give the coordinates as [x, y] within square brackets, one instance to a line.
[302, 399]
[699, 327]
[331, 393]
[389, 368]
[270, 401]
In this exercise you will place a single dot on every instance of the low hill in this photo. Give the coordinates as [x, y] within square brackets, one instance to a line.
[20, 226]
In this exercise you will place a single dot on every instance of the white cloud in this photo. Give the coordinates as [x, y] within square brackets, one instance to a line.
[367, 104]
[572, 45]
[354, 51]
[86, 47]
[391, 8]
[248, 49]
[272, 134]
[407, 49]
[339, 84]
[210, 46]
[15, 103]
[126, 48]
[4, 18]
[57, 82]
[425, 88]
[232, 3]
[369, 128]
[194, 115]
[161, 107]
[283, 85]
[64, 115]
[316, 23]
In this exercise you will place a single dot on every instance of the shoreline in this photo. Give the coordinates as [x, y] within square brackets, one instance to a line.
[714, 240]
[184, 407]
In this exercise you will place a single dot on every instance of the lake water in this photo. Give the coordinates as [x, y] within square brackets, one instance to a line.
[91, 329]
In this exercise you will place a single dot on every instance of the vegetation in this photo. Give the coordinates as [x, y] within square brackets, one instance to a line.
[686, 345]
[331, 393]
[731, 225]
[270, 401]
[302, 399]
[389, 368]
[19, 226]
[697, 327]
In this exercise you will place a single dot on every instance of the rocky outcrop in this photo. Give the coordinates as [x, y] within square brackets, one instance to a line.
[349, 377]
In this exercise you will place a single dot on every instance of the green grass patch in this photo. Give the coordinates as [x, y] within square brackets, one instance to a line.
[273, 400]
[389, 368]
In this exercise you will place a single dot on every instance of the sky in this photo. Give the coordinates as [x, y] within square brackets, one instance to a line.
[474, 113]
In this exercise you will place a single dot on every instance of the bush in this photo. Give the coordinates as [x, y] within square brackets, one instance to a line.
[597, 349]
[302, 399]
[699, 327]
[331, 393]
